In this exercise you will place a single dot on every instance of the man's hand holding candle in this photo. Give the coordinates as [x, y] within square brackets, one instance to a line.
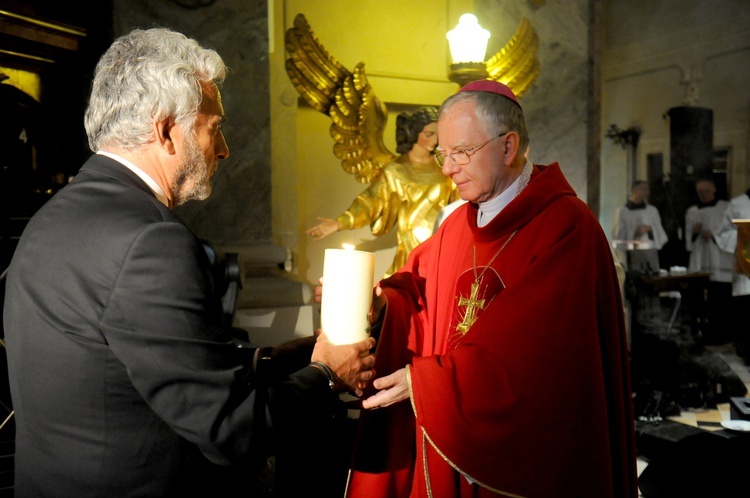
[351, 364]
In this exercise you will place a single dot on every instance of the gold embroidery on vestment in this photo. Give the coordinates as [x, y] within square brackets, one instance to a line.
[473, 303]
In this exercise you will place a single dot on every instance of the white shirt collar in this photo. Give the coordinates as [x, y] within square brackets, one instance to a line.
[157, 190]
[489, 209]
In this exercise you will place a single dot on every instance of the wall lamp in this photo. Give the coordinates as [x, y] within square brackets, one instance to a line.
[468, 45]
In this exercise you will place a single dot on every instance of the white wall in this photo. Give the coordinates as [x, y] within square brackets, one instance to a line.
[652, 51]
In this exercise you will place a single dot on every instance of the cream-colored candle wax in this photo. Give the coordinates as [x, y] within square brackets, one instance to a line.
[347, 294]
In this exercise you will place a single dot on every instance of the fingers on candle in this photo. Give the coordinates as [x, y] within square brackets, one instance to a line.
[364, 353]
[369, 361]
[318, 291]
[318, 294]
[366, 376]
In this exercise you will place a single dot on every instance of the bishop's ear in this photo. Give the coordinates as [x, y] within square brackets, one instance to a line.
[511, 147]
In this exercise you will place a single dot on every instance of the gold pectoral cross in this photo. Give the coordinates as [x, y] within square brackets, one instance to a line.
[473, 305]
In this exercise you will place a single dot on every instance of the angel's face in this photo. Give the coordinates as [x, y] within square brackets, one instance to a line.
[484, 176]
[428, 137]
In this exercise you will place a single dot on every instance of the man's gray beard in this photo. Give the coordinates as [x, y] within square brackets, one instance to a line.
[192, 181]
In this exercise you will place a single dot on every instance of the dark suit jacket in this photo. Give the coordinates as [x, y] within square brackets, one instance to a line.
[120, 367]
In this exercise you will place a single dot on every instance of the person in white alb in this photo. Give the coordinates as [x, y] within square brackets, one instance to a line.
[638, 221]
[702, 222]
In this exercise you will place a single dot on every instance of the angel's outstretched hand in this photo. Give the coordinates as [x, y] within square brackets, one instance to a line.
[325, 228]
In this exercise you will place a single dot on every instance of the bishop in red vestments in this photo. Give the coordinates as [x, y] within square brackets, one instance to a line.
[502, 355]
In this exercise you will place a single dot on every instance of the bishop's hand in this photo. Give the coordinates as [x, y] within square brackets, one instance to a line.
[393, 388]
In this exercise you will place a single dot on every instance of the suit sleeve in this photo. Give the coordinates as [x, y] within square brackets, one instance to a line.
[163, 322]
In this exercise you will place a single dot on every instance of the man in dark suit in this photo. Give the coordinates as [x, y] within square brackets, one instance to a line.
[123, 375]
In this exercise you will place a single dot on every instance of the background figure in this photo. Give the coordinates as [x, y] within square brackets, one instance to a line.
[702, 222]
[638, 220]
[516, 287]
[124, 378]
[726, 238]
[408, 193]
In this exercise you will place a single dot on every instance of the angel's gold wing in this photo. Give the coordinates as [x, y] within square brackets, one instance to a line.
[358, 116]
[516, 64]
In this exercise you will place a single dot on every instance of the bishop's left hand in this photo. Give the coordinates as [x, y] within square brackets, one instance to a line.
[393, 388]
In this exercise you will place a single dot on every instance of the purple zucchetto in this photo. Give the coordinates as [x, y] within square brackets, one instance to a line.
[492, 87]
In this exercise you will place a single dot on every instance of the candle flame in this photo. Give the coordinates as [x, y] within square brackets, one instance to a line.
[348, 247]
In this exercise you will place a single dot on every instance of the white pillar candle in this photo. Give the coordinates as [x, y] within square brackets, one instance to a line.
[347, 294]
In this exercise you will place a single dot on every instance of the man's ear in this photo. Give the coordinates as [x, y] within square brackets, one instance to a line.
[164, 130]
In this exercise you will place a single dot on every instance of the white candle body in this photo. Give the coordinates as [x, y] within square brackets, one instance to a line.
[347, 294]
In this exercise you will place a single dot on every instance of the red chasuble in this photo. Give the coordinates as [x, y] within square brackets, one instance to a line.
[519, 387]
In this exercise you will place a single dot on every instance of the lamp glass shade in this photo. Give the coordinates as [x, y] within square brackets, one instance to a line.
[468, 40]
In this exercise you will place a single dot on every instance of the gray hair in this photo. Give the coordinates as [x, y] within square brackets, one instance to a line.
[497, 113]
[144, 77]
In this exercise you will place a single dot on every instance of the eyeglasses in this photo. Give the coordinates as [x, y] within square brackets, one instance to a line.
[462, 156]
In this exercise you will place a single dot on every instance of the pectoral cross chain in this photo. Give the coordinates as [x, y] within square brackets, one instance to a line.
[473, 305]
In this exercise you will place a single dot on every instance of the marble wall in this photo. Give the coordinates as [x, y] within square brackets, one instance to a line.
[238, 213]
[556, 106]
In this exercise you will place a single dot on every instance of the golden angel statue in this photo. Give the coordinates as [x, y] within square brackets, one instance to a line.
[407, 190]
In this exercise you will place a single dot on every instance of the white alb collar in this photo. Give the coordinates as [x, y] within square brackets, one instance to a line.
[489, 209]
